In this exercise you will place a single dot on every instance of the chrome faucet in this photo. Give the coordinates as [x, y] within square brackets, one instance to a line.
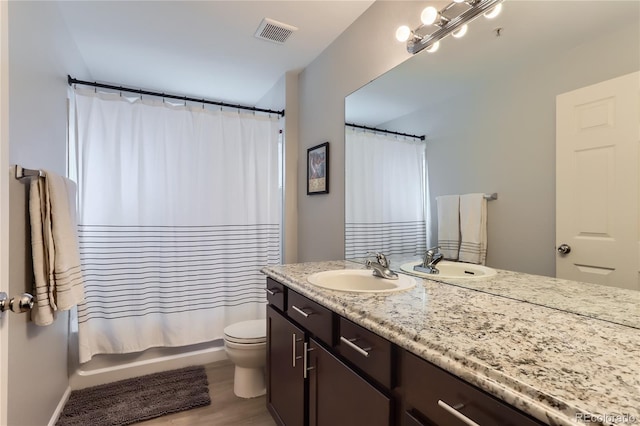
[431, 258]
[381, 267]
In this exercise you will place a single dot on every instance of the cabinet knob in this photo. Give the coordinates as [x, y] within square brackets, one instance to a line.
[564, 249]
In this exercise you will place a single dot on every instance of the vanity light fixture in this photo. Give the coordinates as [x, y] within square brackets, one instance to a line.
[492, 13]
[460, 32]
[403, 33]
[434, 47]
[452, 19]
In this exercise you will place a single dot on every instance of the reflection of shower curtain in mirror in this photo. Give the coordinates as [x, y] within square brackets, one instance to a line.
[179, 209]
[385, 195]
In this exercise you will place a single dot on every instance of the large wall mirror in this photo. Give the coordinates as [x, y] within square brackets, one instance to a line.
[487, 105]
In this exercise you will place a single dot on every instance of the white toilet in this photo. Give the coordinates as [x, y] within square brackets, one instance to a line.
[246, 346]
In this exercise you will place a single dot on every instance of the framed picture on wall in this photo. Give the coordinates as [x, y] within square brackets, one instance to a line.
[318, 169]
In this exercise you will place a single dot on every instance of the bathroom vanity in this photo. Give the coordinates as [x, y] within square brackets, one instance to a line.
[439, 354]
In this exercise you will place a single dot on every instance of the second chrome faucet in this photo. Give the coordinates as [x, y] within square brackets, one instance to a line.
[431, 258]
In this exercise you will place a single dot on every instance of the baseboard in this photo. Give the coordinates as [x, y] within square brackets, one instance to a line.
[60, 407]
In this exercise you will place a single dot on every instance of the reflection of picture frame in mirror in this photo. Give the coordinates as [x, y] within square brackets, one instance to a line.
[318, 169]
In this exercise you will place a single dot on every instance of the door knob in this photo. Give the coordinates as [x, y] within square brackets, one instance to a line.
[564, 249]
[17, 305]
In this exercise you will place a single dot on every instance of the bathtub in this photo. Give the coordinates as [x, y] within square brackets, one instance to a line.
[113, 367]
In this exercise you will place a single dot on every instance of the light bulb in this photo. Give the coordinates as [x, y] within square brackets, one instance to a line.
[458, 1]
[403, 33]
[429, 15]
[493, 12]
[460, 32]
[434, 47]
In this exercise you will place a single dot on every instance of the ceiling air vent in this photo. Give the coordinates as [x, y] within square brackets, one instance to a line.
[274, 31]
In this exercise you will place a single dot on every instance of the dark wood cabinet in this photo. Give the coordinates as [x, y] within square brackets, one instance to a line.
[338, 396]
[307, 384]
[285, 374]
[324, 370]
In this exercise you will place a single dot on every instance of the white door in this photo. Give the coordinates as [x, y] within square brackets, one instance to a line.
[4, 204]
[597, 189]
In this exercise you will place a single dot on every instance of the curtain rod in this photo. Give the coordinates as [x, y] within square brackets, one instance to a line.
[390, 132]
[71, 81]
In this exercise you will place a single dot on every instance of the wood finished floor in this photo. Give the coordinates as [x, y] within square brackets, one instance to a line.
[225, 409]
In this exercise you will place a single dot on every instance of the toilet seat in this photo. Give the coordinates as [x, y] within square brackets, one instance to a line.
[246, 332]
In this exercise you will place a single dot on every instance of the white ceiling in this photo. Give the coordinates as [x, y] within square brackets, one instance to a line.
[202, 48]
[533, 31]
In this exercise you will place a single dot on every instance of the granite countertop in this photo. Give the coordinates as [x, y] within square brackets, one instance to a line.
[551, 364]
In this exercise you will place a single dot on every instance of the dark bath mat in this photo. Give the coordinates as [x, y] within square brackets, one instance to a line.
[134, 400]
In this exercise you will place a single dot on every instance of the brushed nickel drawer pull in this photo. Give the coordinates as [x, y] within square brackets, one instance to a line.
[293, 345]
[305, 364]
[454, 412]
[349, 342]
[293, 349]
[272, 292]
[301, 312]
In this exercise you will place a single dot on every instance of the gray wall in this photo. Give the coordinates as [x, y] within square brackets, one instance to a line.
[507, 145]
[284, 95]
[41, 54]
[363, 52]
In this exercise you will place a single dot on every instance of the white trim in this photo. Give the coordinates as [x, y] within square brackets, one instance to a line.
[84, 378]
[4, 204]
[60, 407]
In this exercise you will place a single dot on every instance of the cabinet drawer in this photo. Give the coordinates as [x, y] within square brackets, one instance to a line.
[440, 397]
[317, 319]
[366, 350]
[275, 294]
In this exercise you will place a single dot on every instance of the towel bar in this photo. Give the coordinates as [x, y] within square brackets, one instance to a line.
[491, 197]
[25, 173]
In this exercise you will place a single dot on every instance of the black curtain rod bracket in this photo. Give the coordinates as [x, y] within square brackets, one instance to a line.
[71, 81]
[389, 132]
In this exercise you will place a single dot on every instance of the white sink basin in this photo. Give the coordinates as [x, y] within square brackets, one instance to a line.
[457, 270]
[359, 280]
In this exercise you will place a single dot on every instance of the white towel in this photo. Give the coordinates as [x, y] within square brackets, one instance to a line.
[59, 284]
[449, 225]
[473, 228]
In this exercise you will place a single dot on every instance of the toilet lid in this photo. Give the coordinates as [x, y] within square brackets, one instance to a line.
[254, 331]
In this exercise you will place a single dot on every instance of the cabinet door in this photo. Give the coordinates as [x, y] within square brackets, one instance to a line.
[285, 374]
[339, 397]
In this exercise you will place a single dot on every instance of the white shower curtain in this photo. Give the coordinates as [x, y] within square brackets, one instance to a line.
[179, 208]
[386, 195]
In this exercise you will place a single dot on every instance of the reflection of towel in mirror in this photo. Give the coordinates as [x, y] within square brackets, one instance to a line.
[449, 225]
[473, 228]
[56, 259]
